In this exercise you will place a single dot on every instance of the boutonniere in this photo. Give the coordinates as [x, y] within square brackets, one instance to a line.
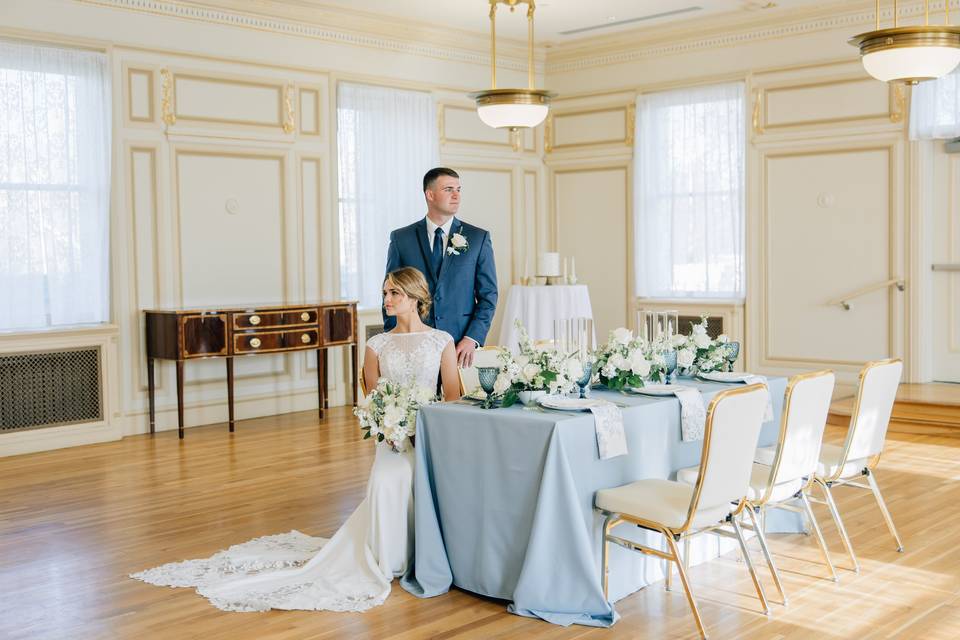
[458, 244]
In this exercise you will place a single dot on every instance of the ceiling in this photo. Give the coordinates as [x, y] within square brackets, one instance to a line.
[558, 21]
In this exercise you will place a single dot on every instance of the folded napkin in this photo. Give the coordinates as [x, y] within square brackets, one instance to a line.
[611, 439]
[750, 378]
[693, 415]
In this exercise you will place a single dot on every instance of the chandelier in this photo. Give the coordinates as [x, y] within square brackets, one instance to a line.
[512, 108]
[910, 54]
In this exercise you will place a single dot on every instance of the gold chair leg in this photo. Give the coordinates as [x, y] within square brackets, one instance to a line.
[819, 534]
[668, 568]
[883, 509]
[686, 584]
[686, 552]
[746, 558]
[605, 562]
[839, 522]
[766, 554]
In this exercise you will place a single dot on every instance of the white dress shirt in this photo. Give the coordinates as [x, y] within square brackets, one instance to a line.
[432, 229]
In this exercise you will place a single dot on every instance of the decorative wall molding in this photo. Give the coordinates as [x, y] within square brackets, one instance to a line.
[507, 58]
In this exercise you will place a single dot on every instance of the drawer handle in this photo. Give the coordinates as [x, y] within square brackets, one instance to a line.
[305, 338]
[305, 316]
[254, 320]
[255, 342]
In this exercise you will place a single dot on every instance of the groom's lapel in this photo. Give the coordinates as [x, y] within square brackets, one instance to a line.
[454, 228]
[421, 230]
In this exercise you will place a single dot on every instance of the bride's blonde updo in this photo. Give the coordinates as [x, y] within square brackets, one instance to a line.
[414, 285]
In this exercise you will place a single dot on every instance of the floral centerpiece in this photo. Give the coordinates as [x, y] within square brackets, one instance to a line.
[628, 361]
[535, 369]
[389, 412]
[698, 353]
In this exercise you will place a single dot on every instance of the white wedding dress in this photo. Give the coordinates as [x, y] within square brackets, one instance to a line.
[353, 570]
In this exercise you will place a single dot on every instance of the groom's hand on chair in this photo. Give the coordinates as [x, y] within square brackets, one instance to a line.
[465, 350]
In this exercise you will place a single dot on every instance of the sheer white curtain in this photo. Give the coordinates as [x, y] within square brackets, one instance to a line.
[689, 186]
[935, 108]
[54, 186]
[386, 140]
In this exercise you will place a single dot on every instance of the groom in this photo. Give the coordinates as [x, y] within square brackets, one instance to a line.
[457, 260]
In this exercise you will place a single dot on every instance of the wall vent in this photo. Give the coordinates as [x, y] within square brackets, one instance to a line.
[50, 389]
[714, 325]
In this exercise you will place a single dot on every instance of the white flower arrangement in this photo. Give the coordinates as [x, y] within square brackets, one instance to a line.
[458, 244]
[698, 353]
[629, 361]
[535, 368]
[389, 412]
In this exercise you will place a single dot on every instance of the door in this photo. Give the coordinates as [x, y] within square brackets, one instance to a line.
[945, 284]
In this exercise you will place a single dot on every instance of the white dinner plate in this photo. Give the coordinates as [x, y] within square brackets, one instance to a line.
[724, 376]
[656, 389]
[561, 403]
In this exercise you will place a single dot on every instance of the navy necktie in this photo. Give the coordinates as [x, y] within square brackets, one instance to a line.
[436, 257]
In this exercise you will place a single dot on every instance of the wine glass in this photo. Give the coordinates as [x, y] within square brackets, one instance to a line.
[670, 364]
[733, 350]
[488, 378]
[584, 381]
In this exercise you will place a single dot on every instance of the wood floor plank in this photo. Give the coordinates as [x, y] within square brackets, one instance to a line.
[75, 522]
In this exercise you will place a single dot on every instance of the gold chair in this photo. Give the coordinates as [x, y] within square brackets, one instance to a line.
[468, 375]
[677, 510]
[860, 453]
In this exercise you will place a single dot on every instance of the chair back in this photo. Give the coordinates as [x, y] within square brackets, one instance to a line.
[483, 357]
[806, 404]
[871, 414]
[734, 418]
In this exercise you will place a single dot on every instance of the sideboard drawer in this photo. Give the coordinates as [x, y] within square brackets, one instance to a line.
[339, 325]
[268, 341]
[204, 335]
[273, 319]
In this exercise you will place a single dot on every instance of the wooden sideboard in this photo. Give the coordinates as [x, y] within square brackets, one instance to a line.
[231, 331]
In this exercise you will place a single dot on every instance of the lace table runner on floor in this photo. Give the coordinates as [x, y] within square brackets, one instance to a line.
[611, 439]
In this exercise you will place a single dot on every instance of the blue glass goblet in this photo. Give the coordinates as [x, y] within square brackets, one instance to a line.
[584, 381]
[733, 350]
[670, 364]
[488, 377]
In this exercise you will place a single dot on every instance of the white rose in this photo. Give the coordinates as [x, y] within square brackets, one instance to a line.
[678, 340]
[424, 395]
[574, 369]
[658, 360]
[699, 329]
[621, 335]
[502, 383]
[609, 371]
[393, 416]
[702, 340]
[530, 371]
[458, 241]
[723, 339]
[639, 365]
[685, 358]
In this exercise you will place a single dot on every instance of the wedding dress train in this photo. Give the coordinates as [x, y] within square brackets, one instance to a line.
[352, 571]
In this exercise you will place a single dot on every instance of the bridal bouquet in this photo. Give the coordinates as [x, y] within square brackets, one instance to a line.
[629, 361]
[698, 353]
[389, 412]
[536, 368]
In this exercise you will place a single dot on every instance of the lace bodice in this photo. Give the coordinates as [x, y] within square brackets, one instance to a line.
[410, 358]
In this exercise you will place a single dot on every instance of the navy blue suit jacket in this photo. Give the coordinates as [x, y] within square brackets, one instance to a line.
[465, 293]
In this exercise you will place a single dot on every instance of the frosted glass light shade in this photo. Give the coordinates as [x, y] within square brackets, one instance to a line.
[911, 63]
[512, 116]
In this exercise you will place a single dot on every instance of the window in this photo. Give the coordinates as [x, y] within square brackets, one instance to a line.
[387, 140]
[689, 185]
[54, 186]
[935, 108]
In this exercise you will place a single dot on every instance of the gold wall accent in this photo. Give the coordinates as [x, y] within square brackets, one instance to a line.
[898, 102]
[288, 119]
[631, 124]
[548, 133]
[167, 98]
[757, 109]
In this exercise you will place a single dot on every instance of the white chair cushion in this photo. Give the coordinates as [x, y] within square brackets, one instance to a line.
[830, 455]
[661, 501]
[759, 476]
[765, 455]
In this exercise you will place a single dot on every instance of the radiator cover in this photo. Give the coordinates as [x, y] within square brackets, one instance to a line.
[50, 388]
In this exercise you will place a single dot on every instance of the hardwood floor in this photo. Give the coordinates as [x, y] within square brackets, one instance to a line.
[75, 522]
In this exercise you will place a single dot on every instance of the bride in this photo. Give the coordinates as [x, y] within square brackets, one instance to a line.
[353, 570]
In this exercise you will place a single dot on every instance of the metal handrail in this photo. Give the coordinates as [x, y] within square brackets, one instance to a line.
[946, 266]
[844, 301]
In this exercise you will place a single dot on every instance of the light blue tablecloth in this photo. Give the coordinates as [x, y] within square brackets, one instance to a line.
[504, 501]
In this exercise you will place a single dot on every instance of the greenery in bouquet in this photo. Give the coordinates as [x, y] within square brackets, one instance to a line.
[535, 368]
[698, 353]
[389, 412]
[628, 361]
